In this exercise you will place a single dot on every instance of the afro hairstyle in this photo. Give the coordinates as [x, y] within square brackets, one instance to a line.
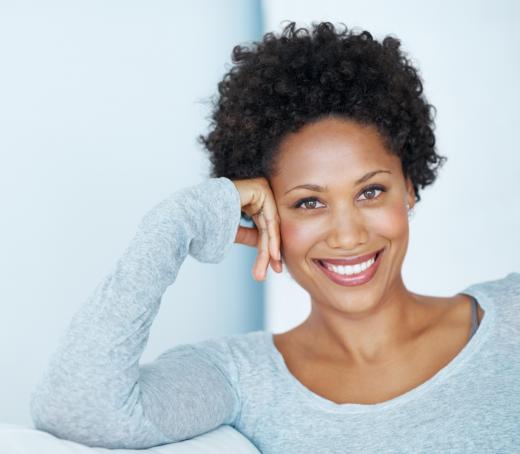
[281, 83]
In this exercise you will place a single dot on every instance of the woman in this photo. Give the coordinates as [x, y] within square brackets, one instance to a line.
[325, 139]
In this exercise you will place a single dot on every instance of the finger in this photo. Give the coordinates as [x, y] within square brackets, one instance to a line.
[270, 212]
[262, 258]
[247, 236]
[274, 236]
[274, 248]
[262, 261]
[276, 265]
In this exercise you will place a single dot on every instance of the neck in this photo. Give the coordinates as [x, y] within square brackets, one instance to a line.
[365, 338]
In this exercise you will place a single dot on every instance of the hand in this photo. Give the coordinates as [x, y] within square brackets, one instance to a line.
[257, 201]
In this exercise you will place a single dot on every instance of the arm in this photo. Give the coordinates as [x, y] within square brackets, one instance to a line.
[93, 390]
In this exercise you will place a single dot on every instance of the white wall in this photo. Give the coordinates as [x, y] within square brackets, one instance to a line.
[466, 228]
[100, 106]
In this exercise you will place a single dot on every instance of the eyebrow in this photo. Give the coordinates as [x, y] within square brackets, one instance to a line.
[318, 188]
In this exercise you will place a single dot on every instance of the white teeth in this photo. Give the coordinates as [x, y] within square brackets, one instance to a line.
[348, 269]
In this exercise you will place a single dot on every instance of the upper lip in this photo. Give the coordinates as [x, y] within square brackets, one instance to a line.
[351, 260]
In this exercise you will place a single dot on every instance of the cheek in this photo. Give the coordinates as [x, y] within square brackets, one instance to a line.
[297, 236]
[390, 222]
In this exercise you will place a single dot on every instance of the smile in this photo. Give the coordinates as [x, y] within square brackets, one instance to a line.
[350, 275]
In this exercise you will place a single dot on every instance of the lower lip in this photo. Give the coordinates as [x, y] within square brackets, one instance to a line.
[356, 279]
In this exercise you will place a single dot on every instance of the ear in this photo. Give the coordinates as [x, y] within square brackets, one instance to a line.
[410, 193]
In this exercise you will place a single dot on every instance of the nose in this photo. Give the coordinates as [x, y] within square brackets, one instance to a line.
[347, 230]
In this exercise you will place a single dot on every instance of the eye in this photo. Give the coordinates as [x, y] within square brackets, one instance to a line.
[372, 192]
[306, 201]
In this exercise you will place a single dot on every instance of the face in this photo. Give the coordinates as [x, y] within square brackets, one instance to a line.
[360, 209]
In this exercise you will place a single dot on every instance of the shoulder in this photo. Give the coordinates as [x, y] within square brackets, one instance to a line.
[506, 287]
[501, 294]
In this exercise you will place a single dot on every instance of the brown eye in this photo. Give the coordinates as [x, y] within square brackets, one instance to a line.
[307, 203]
[372, 192]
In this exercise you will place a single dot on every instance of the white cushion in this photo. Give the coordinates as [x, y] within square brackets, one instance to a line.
[15, 439]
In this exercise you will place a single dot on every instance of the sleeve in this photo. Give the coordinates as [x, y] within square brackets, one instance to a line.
[93, 390]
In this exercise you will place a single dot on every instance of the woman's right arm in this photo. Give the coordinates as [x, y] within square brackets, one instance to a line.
[93, 390]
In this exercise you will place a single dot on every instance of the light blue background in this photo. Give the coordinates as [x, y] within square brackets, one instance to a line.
[100, 106]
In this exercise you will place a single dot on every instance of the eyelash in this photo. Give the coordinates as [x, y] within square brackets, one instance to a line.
[369, 188]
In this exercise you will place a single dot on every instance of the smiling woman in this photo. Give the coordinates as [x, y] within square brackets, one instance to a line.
[325, 139]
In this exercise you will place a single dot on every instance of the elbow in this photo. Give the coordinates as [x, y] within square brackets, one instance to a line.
[51, 414]
[92, 426]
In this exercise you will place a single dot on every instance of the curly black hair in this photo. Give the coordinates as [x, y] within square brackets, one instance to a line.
[284, 82]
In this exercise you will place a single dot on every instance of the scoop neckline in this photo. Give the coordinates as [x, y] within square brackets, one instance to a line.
[472, 346]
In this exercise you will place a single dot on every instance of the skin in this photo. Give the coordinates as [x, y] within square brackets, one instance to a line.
[353, 333]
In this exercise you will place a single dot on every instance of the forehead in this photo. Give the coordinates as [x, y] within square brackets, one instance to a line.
[333, 147]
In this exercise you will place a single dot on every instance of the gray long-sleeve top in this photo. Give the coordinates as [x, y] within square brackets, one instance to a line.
[95, 392]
